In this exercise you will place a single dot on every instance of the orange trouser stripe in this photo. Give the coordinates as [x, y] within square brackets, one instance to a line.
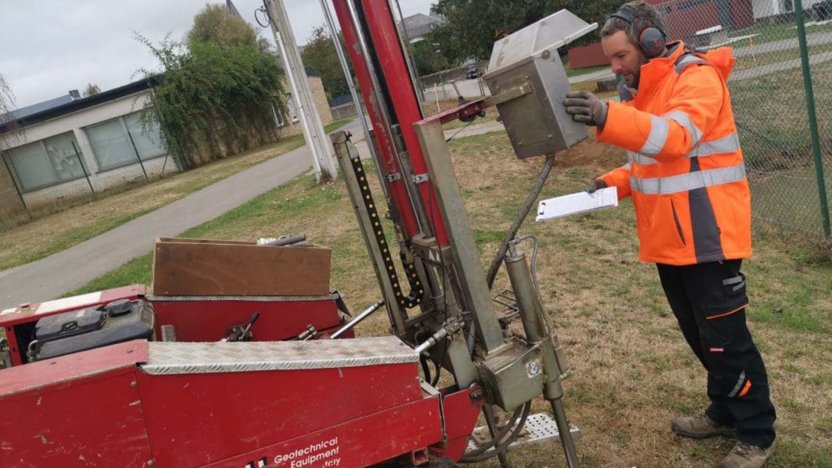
[727, 313]
[746, 388]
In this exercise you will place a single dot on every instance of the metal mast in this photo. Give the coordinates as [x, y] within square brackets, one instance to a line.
[313, 129]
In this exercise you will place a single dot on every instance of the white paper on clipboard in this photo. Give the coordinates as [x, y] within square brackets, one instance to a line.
[576, 203]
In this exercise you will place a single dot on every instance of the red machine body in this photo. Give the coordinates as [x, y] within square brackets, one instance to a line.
[295, 404]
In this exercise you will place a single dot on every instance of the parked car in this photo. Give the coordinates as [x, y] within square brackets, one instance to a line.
[822, 10]
[473, 72]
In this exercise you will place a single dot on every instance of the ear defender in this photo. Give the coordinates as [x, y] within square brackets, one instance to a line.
[652, 41]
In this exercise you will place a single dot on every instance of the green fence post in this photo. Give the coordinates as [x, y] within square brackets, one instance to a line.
[813, 120]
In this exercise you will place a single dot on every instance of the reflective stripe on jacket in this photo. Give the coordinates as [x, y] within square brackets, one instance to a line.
[685, 172]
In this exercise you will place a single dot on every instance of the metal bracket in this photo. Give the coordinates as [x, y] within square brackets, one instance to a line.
[511, 94]
[420, 178]
[393, 177]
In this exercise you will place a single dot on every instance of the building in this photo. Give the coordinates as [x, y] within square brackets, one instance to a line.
[419, 25]
[685, 17]
[71, 146]
[778, 8]
[290, 125]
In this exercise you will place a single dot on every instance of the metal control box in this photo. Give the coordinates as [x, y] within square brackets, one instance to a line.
[528, 82]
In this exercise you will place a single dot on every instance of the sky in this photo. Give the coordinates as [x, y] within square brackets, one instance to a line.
[52, 46]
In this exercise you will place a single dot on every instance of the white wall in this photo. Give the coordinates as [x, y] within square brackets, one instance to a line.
[766, 8]
[75, 122]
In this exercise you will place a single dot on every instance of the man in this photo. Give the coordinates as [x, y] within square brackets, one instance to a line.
[693, 212]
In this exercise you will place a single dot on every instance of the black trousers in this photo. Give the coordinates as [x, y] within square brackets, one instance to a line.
[709, 301]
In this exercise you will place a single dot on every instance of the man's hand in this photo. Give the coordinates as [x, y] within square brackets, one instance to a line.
[586, 108]
[596, 184]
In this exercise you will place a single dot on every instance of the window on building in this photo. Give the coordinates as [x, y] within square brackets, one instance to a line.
[147, 137]
[120, 142]
[46, 162]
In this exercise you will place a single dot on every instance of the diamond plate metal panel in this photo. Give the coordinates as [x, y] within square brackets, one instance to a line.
[202, 358]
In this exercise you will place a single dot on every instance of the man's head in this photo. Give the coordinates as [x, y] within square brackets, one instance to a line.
[623, 41]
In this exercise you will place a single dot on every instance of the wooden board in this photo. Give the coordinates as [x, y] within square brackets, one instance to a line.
[195, 267]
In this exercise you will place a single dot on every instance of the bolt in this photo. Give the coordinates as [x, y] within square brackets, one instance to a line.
[133, 384]
[150, 462]
[546, 54]
[476, 394]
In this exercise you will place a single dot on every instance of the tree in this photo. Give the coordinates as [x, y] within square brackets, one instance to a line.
[217, 96]
[6, 97]
[428, 57]
[214, 24]
[319, 55]
[474, 25]
[13, 132]
[91, 90]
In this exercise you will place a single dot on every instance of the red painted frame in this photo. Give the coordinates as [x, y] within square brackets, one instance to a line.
[99, 408]
[384, 40]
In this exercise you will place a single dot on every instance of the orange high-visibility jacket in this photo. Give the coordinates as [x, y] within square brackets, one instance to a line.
[685, 172]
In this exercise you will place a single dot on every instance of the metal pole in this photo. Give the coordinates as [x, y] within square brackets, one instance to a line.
[325, 165]
[813, 120]
[382, 105]
[16, 187]
[404, 39]
[342, 58]
[491, 422]
[358, 319]
[564, 433]
[136, 150]
[83, 166]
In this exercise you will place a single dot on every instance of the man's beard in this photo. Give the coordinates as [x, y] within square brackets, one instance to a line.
[636, 77]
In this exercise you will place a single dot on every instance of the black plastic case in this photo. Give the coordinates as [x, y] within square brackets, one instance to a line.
[91, 328]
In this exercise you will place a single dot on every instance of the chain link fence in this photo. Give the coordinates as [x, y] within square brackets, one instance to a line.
[785, 146]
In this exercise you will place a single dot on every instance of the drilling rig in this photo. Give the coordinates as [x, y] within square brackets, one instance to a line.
[282, 381]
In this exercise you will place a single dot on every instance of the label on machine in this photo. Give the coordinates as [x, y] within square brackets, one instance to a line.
[576, 203]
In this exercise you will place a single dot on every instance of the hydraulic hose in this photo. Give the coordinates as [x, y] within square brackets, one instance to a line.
[521, 217]
[485, 452]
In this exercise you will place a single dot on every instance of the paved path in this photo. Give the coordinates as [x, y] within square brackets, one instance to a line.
[770, 68]
[783, 44]
[66, 271]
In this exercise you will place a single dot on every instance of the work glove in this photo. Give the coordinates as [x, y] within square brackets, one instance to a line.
[596, 184]
[586, 108]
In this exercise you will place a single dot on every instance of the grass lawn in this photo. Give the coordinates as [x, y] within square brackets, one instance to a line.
[583, 71]
[59, 231]
[763, 57]
[777, 32]
[631, 370]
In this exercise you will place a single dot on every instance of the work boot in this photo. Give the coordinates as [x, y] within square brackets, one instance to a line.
[700, 427]
[746, 456]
